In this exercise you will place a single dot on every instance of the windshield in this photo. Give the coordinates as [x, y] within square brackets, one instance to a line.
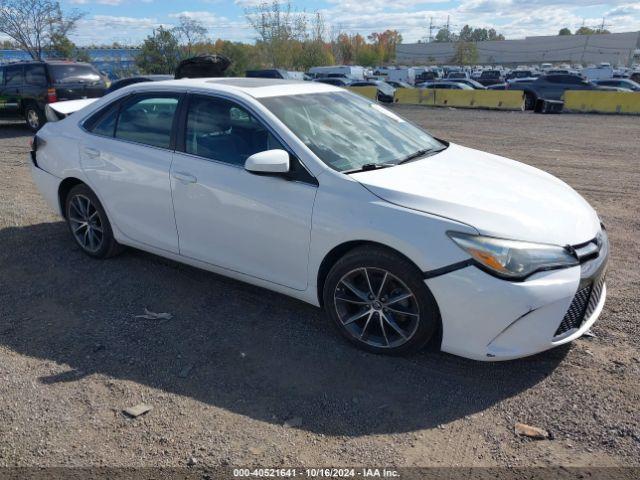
[347, 131]
[73, 72]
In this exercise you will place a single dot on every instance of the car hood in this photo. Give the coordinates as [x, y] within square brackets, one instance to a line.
[495, 195]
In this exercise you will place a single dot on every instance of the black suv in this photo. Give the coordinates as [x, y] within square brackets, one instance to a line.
[27, 87]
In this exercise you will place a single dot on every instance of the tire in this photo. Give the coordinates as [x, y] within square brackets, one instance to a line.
[34, 117]
[88, 223]
[530, 101]
[373, 318]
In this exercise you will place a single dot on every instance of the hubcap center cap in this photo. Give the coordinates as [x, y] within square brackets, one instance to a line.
[377, 305]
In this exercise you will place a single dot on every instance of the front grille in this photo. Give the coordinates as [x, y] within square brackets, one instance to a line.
[583, 305]
[596, 292]
[574, 316]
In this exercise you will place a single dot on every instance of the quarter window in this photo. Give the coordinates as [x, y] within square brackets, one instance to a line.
[107, 124]
[222, 130]
[147, 120]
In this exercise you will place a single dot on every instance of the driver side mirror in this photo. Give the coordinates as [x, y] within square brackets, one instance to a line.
[268, 162]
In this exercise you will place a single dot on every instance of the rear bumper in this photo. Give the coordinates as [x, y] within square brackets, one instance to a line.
[488, 319]
[48, 186]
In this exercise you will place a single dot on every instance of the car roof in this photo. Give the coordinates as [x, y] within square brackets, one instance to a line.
[254, 87]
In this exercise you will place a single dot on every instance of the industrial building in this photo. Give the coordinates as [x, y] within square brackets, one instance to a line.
[618, 49]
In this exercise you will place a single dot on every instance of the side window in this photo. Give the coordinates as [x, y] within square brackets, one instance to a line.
[13, 76]
[147, 120]
[1, 76]
[35, 75]
[222, 130]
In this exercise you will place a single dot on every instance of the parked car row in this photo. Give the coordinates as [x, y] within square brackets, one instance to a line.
[26, 88]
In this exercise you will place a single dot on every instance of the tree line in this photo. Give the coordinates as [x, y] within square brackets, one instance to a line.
[285, 38]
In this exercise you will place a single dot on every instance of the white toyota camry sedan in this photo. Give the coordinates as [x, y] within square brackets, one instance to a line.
[320, 194]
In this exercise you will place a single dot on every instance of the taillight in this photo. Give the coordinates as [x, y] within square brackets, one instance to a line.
[52, 96]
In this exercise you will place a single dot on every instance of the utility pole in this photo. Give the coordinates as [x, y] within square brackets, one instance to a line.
[430, 29]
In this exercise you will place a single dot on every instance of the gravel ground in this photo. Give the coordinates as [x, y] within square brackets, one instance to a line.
[236, 362]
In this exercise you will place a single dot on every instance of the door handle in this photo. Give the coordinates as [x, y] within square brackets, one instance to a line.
[91, 152]
[184, 177]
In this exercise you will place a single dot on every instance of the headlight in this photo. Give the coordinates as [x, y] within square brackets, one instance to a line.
[511, 259]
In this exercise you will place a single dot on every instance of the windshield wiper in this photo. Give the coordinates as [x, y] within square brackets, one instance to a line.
[369, 166]
[420, 153]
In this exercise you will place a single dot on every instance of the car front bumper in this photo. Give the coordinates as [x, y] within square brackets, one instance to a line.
[489, 319]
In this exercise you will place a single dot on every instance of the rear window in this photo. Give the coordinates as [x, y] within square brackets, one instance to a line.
[73, 72]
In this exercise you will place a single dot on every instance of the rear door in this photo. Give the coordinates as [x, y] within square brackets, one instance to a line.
[11, 91]
[127, 158]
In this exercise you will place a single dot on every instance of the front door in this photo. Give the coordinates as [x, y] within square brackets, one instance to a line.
[253, 224]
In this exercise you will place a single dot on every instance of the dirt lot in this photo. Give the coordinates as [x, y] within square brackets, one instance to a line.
[235, 362]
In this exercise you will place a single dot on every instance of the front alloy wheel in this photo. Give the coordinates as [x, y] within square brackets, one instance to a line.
[379, 301]
[376, 307]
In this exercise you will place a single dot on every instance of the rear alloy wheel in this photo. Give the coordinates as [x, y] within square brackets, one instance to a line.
[88, 223]
[379, 301]
[34, 117]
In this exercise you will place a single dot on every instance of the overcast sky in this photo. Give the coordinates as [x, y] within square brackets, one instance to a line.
[129, 21]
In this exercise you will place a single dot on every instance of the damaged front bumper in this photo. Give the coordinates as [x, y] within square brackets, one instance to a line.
[489, 319]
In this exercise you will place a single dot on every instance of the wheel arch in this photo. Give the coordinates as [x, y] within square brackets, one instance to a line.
[339, 251]
[63, 190]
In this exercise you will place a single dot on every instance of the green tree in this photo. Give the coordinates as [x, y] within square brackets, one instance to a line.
[445, 35]
[160, 53]
[368, 57]
[62, 47]
[466, 53]
[34, 25]
[564, 31]
[591, 31]
[386, 43]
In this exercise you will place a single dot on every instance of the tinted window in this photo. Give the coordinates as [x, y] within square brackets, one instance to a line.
[14, 75]
[224, 131]
[554, 78]
[147, 120]
[573, 80]
[73, 72]
[35, 75]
